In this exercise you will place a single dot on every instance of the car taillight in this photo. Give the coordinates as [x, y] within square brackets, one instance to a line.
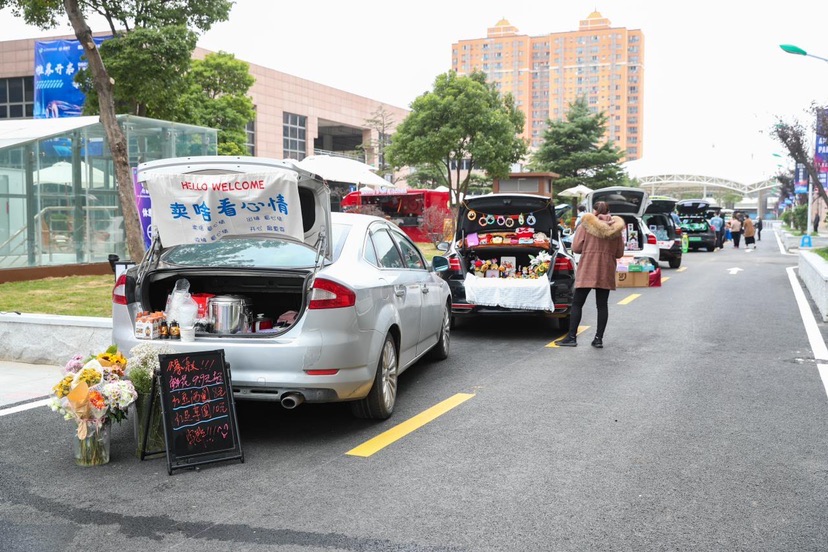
[678, 232]
[651, 239]
[119, 291]
[326, 294]
[563, 264]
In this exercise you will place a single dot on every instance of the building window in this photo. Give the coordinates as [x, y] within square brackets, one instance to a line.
[250, 135]
[17, 98]
[293, 135]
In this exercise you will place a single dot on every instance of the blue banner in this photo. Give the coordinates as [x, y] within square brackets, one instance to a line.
[56, 63]
[800, 179]
[821, 148]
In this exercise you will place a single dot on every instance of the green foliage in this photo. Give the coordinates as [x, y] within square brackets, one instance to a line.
[133, 61]
[800, 217]
[462, 118]
[573, 149]
[216, 97]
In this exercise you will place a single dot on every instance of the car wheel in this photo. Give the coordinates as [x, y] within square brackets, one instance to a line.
[441, 350]
[711, 248]
[379, 404]
[675, 263]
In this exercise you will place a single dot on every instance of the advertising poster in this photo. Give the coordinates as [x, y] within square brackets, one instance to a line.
[56, 64]
[144, 204]
[189, 208]
[821, 148]
[800, 179]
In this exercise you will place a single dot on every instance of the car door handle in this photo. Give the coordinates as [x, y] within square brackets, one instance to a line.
[424, 288]
[399, 291]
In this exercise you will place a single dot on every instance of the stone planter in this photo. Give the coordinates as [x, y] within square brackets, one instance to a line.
[813, 271]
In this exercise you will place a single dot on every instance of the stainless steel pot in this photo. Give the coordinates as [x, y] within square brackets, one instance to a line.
[230, 313]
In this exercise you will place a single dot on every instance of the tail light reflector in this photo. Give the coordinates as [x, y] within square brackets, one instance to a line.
[324, 372]
[326, 294]
[119, 291]
[563, 263]
[651, 239]
[454, 264]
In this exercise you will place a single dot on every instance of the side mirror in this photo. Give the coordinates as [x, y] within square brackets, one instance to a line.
[439, 263]
[443, 246]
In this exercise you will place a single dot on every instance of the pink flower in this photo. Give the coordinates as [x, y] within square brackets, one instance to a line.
[74, 365]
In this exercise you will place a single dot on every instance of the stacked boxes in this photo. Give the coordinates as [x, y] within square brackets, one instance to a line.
[633, 272]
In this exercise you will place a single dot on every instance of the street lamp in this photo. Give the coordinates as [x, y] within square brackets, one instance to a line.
[796, 50]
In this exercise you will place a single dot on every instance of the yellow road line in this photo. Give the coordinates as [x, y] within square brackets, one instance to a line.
[397, 432]
[682, 269]
[629, 299]
[554, 344]
[664, 279]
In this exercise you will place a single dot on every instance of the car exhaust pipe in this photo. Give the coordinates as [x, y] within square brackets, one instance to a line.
[292, 400]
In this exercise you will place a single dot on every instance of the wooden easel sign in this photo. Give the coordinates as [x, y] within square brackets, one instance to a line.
[200, 425]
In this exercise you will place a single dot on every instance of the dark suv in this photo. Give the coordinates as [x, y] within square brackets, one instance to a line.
[662, 221]
[694, 223]
[517, 227]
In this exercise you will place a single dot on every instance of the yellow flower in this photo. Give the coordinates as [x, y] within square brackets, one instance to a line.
[89, 375]
[63, 387]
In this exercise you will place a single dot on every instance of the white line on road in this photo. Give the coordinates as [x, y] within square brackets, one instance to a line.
[811, 328]
[22, 407]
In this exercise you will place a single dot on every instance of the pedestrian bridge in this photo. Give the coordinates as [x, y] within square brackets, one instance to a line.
[671, 184]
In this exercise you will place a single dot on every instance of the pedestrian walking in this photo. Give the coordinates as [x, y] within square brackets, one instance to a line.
[599, 241]
[816, 223]
[736, 230]
[750, 233]
[717, 222]
[581, 212]
[758, 226]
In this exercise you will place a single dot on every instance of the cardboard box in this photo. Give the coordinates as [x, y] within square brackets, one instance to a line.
[632, 279]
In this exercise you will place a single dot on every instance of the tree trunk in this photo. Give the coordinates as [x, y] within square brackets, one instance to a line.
[114, 133]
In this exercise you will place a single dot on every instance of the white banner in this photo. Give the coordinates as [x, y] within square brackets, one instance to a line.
[199, 208]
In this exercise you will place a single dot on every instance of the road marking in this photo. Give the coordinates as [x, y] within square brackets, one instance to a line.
[665, 279]
[629, 298]
[22, 407]
[734, 270]
[554, 344]
[682, 269]
[811, 328]
[397, 432]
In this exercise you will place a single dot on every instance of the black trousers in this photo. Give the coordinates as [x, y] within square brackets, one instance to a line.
[601, 299]
[737, 237]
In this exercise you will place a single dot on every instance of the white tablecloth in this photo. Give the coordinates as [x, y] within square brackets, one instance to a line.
[513, 293]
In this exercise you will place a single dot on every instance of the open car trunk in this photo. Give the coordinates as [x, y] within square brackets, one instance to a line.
[272, 294]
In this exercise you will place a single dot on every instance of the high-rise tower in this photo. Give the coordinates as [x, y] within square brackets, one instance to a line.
[546, 73]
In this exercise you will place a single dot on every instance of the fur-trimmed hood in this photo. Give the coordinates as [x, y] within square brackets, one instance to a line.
[600, 229]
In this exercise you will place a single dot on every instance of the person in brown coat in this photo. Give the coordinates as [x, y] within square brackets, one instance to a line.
[750, 233]
[599, 241]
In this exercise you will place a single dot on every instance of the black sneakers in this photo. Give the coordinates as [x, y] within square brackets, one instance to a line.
[568, 341]
[598, 343]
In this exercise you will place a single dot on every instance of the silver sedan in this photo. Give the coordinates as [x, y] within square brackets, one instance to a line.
[342, 329]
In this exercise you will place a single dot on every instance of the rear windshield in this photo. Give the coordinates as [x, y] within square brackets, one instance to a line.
[253, 252]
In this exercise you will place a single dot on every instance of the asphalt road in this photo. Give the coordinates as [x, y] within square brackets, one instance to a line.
[700, 426]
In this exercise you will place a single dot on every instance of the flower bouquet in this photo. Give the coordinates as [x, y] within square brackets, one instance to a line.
[143, 366]
[92, 393]
[539, 265]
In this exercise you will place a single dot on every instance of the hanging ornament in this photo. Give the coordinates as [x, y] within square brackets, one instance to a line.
[472, 214]
[531, 220]
[520, 219]
[510, 222]
[501, 220]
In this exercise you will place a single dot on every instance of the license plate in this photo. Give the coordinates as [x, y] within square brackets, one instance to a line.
[695, 239]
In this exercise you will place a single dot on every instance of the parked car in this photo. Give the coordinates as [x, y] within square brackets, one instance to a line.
[487, 228]
[629, 204]
[661, 220]
[694, 223]
[347, 309]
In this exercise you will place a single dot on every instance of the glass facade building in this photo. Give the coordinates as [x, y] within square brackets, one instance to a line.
[58, 196]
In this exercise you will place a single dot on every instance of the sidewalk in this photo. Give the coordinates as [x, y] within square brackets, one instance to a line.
[21, 382]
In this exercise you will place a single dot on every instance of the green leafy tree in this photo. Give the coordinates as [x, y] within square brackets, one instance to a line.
[216, 96]
[795, 137]
[47, 14]
[462, 119]
[575, 149]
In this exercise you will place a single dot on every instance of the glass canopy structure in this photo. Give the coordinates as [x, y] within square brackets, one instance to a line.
[58, 196]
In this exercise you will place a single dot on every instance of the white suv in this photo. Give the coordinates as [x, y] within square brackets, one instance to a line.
[629, 204]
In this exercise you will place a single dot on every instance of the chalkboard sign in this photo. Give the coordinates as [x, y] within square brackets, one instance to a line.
[200, 423]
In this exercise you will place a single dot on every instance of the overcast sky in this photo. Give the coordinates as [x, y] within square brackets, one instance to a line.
[715, 77]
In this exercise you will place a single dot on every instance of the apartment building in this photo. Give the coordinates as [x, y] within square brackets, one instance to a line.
[546, 73]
